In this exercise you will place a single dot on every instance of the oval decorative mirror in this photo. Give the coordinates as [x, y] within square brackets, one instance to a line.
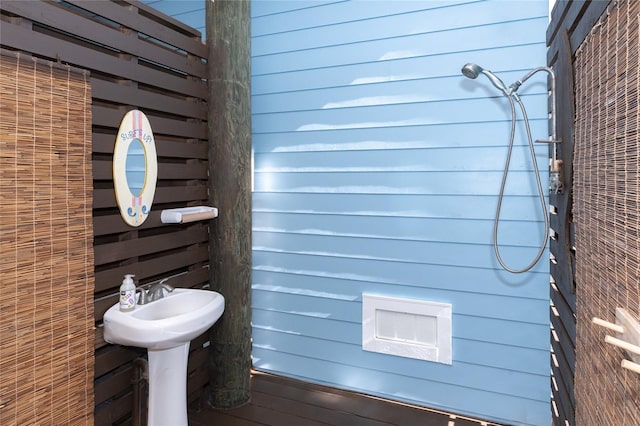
[135, 168]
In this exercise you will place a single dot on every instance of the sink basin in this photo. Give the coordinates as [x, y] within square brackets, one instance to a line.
[177, 318]
[166, 327]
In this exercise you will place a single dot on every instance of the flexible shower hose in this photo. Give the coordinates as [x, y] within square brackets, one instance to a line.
[543, 204]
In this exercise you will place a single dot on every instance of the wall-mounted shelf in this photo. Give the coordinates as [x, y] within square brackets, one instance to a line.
[188, 214]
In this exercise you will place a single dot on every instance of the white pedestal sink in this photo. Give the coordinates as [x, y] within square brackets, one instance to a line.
[166, 327]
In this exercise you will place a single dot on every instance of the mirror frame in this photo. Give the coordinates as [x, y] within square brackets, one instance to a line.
[134, 209]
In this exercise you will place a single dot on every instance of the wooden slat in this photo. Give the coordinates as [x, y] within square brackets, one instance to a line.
[117, 383]
[576, 16]
[106, 198]
[107, 253]
[564, 395]
[196, 129]
[127, 16]
[565, 304]
[359, 405]
[280, 401]
[59, 17]
[197, 379]
[103, 170]
[111, 358]
[566, 14]
[111, 277]
[53, 48]
[103, 143]
[564, 355]
[166, 20]
[567, 342]
[113, 224]
[107, 415]
[124, 93]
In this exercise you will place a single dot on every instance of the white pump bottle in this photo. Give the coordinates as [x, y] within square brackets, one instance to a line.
[128, 294]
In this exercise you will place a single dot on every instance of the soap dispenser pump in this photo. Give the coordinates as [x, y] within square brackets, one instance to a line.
[128, 294]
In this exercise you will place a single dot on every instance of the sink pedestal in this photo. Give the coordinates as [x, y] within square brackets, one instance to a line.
[166, 327]
[168, 386]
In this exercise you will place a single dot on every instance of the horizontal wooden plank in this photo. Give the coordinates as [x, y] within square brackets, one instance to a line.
[395, 115]
[564, 395]
[399, 92]
[576, 16]
[445, 396]
[519, 32]
[565, 349]
[124, 94]
[451, 135]
[112, 252]
[566, 314]
[326, 269]
[500, 331]
[104, 143]
[469, 351]
[390, 251]
[110, 117]
[190, 170]
[392, 160]
[106, 198]
[113, 224]
[54, 49]
[398, 228]
[330, 406]
[98, 338]
[115, 410]
[110, 279]
[327, 26]
[62, 18]
[340, 401]
[277, 399]
[167, 18]
[220, 417]
[352, 77]
[128, 15]
[198, 359]
[344, 293]
[118, 382]
[521, 183]
[396, 205]
[564, 374]
[197, 380]
[112, 357]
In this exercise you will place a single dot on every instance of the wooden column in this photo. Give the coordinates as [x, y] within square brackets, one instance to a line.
[228, 40]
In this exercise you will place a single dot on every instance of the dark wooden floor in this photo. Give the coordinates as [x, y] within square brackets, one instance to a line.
[278, 401]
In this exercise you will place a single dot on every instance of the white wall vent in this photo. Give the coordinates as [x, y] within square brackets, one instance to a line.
[406, 327]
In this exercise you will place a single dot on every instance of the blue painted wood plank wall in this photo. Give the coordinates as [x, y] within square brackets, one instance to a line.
[377, 169]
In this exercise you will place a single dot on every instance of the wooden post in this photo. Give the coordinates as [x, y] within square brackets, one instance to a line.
[228, 40]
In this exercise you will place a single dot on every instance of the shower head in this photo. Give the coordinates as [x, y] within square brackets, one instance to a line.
[473, 70]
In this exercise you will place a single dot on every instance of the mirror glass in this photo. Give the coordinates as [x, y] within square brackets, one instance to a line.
[136, 167]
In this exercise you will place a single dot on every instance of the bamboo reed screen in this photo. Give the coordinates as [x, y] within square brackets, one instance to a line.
[46, 244]
[607, 213]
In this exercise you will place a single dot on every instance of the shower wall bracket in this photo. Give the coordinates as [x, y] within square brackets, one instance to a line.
[627, 337]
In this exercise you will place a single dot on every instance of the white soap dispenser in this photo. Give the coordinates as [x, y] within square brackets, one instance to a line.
[128, 294]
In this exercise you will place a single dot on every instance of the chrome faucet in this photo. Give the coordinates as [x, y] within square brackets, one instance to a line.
[154, 293]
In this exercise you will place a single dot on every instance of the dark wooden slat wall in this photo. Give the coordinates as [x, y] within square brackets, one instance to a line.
[138, 58]
[571, 21]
